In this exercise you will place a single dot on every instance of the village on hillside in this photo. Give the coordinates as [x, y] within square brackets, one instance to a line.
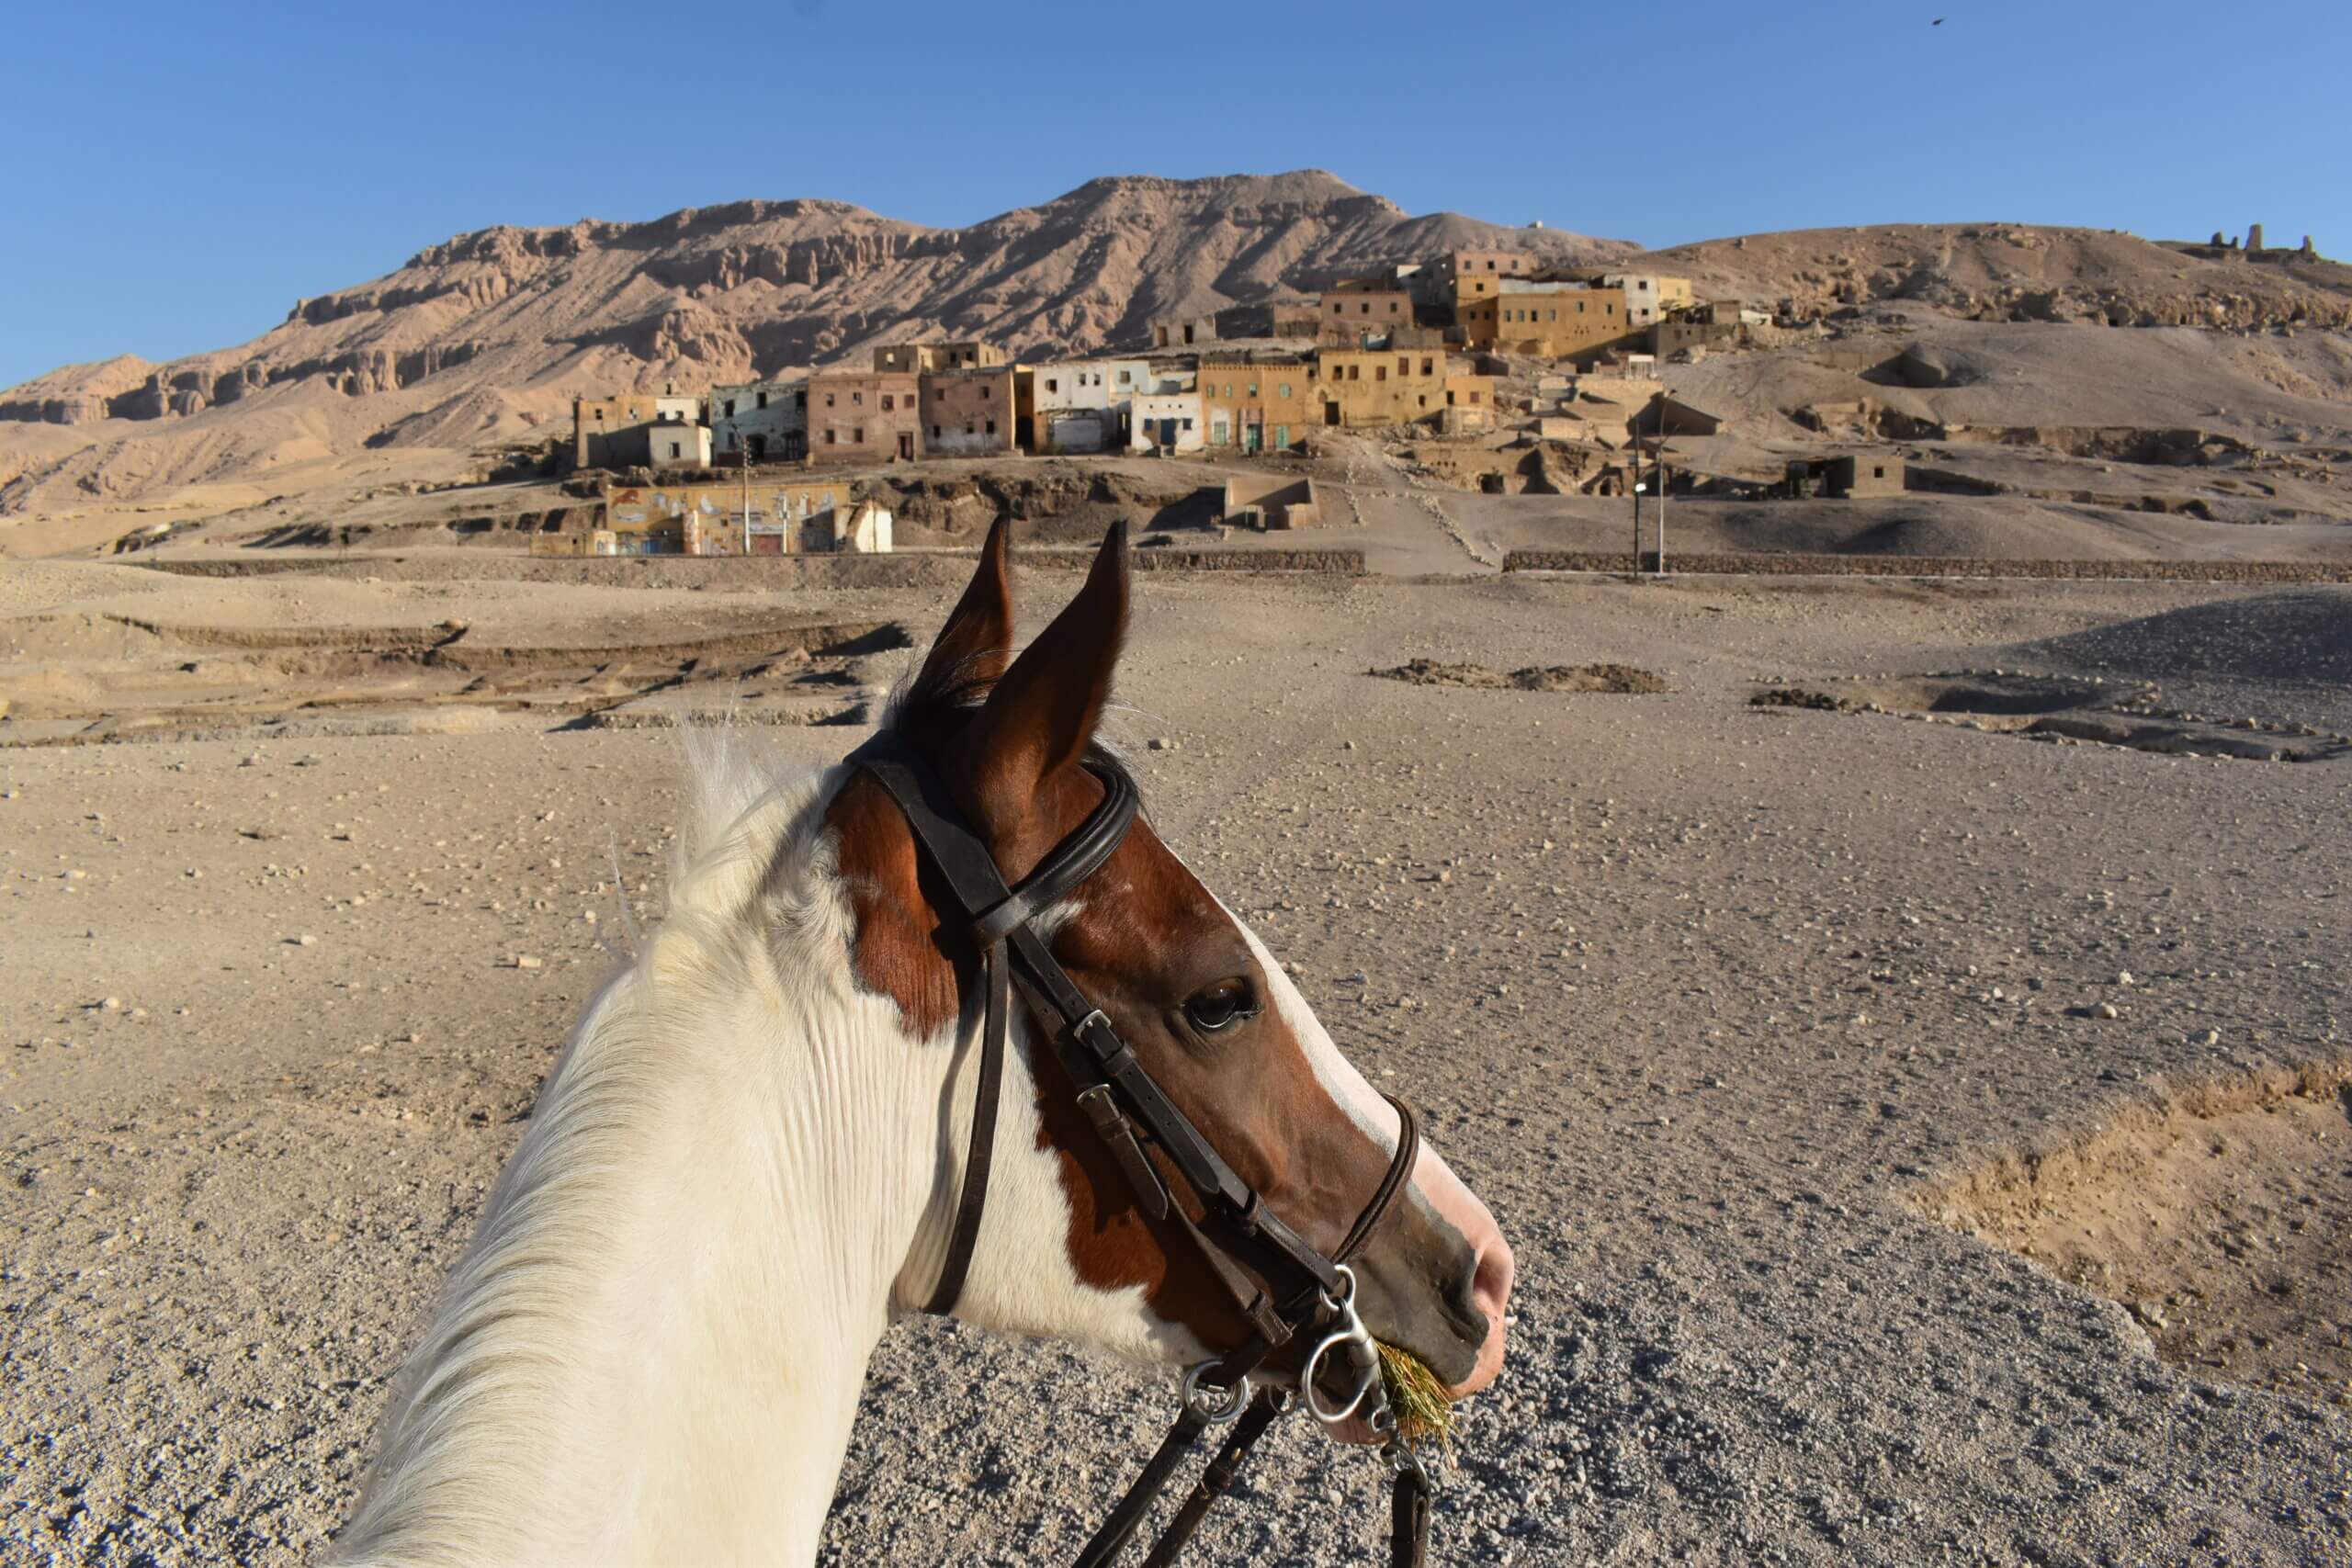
[727, 469]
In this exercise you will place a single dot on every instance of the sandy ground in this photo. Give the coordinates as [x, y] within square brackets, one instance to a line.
[1707, 1000]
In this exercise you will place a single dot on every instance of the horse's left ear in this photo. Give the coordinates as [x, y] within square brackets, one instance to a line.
[1042, 715]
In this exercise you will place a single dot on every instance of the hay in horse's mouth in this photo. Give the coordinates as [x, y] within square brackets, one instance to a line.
[1424, 1413]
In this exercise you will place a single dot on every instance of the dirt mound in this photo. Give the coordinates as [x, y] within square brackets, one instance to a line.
[2302, 637]
[2220, 1217]
[1619, 677]
[2055, 709]
[2007, 271]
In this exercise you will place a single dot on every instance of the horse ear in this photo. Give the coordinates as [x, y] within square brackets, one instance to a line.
[1043, 713]
[975, 644]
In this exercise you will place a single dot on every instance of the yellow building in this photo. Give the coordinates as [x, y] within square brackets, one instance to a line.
[1255, 405]
[1471, 402]
[1374, 387]
[1554, 320]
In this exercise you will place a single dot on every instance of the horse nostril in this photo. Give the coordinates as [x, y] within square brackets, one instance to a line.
[1490, 1288]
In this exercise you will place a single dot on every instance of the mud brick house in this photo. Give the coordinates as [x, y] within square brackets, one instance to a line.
[963, 353]
[616, 432]
[1470, 403]
[761, 420]
[1356, 311]
[1255, 404]
[968, 413]
[1375, 386]
[864, 416]
[1549, 318]
[1181, 331]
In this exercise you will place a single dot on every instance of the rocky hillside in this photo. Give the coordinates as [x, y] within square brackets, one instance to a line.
[2004, 272]
[488, 336]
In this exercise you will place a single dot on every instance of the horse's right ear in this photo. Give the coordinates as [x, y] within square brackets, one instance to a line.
[976, 645]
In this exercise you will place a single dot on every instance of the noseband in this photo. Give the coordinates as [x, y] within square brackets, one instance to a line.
[1282, 1286]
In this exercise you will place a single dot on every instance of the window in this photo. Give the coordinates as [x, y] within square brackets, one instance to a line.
[829, 400]
[1403, 365]
[991, 427]
[1380, 373]
[1253, 388]
[673, 449]
[934, 433]
[1878, 473]
[1355, 372]
[1449, 398]
[1284, 390]
[1425, 400]
[1338, 307]
[1392, 307]
[967, 427]
[1426, 363]
[763, 402]
[1477, 398]
[829, 433]
[731, 408]
[1364, 308]
[857, 400]
[801, 399]
[1188, 424]
[1051, 385]
[886, 402]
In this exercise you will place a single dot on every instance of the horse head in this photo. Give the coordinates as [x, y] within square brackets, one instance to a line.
[1064, 1248]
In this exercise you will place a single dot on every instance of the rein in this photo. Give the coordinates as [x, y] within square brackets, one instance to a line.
[1280, 1284]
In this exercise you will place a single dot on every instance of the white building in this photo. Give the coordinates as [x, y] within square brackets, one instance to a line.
[679, 446]
[1070, 406]
[1167, 421]
[1648, 296]
[671, 407]
[767, 419]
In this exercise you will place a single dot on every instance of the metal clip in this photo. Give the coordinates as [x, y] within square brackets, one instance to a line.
[1212, 1403]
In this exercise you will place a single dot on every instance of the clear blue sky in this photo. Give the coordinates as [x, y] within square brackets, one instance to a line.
[179, 174]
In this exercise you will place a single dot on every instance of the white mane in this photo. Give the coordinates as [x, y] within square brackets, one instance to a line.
[468, 1415]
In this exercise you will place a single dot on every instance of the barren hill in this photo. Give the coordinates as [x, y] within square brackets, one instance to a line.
[2007, 271]
[488, 336]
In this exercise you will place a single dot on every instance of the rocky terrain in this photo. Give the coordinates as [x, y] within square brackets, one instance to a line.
[2015, 272]
[1921, 1131]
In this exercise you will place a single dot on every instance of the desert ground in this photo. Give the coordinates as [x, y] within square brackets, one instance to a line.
[1915, 1099]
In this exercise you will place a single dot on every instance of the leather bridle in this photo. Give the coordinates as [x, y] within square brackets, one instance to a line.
[1280, 1284]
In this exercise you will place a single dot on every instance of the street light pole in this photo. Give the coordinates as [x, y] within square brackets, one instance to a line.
[1658, 469]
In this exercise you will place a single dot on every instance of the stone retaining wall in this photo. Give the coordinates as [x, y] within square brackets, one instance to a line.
[1795, 565]
[899, 569]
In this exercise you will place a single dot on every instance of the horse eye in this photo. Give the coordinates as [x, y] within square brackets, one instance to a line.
[1221, 1006]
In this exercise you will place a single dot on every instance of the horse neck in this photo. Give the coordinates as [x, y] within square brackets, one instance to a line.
[654, 1348]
